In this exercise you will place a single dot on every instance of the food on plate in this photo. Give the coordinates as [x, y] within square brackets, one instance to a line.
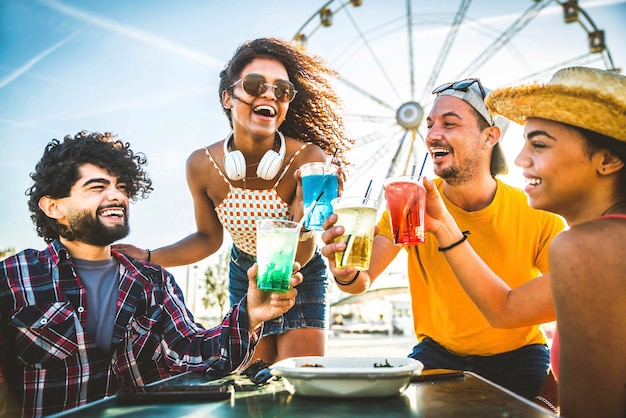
[385, 364]
[312, 365]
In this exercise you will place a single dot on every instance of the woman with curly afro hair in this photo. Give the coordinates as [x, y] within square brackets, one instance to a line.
[283, 112]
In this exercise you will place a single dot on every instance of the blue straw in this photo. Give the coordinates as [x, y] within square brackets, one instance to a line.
[308, 212]
[367, 192]
[423, 164]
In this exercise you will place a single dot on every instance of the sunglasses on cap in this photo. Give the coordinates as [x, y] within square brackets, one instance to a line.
[255, 85]
[461, 85]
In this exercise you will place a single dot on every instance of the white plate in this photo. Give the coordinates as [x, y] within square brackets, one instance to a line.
[347, 376]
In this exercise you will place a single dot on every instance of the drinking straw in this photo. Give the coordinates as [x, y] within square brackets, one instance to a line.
[330, 162]
[308, 212]
[346, 252]
[367, 192]
[413, 171]
[423, 164]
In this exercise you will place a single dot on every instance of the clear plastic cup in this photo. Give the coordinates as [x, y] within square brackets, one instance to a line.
[276, 243]
[406, 200]
[316, 178]
[358, 217]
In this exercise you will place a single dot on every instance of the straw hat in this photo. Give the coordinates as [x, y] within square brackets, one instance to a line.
[588, 98]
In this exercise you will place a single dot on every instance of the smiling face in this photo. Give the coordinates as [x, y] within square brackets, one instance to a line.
[96, 210]
[454, 140]
[258, 116]
[558, 168]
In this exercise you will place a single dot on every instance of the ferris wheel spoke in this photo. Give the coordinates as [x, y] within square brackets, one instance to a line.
[372, 53]
[386, 151]
[380, 135]
[505, 37]
[395, 160]
[366, 94]
[366, 167]
[445, 50]
[370, 118]
[409, 26]
[542, 73]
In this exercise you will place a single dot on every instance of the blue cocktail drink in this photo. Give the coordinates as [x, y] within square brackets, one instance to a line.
[317, 178]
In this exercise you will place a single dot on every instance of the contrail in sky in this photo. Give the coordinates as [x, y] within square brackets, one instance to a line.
[31, 63]
[139, 35]
[134, 33]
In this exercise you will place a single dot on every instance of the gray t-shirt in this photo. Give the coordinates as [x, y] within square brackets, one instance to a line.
[100, 279]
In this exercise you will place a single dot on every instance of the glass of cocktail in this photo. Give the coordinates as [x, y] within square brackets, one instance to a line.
[358, 217]
[318, 177]
[406, 199]
[276, 243]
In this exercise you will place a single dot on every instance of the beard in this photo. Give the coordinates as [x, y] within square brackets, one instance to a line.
[87, 228]
[458, 174]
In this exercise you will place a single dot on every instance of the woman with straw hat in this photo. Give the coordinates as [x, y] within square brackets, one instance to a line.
[573, 161]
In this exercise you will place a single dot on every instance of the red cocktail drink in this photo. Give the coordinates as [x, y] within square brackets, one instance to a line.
[406, 198]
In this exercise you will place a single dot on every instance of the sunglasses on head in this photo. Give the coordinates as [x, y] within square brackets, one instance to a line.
[461, 85]
[255, 85]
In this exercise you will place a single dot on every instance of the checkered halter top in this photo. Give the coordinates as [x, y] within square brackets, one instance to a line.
[241, 208]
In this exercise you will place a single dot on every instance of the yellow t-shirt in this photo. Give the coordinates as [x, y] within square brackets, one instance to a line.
[512, 238]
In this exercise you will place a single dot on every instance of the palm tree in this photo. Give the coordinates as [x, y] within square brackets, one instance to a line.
[216, 283]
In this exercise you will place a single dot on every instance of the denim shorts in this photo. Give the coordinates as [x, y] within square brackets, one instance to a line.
[522, 371]
[311, 302]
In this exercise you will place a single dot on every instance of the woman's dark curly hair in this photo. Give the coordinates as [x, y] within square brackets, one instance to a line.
[315, 114]
[57, 171]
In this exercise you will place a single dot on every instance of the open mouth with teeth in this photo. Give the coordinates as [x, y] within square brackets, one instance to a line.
[266, 111]
[113, 212]
[533, 181]
[438, 153]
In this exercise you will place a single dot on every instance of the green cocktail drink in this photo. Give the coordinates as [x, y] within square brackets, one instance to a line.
[276, 244]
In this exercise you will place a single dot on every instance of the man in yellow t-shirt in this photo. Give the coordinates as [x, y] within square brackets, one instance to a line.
[509, 236]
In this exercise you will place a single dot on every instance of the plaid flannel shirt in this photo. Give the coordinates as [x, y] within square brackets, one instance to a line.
[49, 362]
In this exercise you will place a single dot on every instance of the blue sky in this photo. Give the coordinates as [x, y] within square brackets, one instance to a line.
[147, 70]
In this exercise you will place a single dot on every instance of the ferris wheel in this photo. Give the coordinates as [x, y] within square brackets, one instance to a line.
[390, 55]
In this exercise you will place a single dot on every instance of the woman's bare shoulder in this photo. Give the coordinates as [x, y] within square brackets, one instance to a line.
[594, 246]
[201, 171]
[309, 153]
[201, 157]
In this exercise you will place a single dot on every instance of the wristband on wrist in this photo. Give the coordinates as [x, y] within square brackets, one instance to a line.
[149, 254]
[350, 282]
[451, 246]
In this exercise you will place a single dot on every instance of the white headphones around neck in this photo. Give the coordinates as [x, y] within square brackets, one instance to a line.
[235, 162]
